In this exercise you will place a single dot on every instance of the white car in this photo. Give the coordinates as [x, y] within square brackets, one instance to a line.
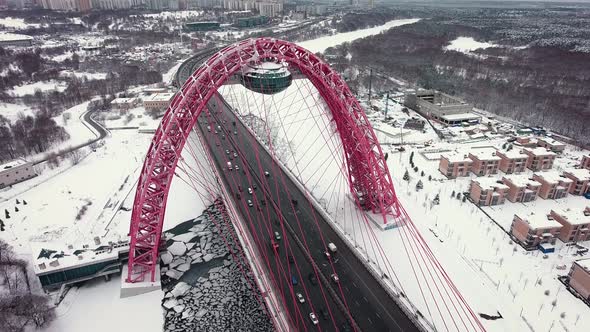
[327, 254]
[335, 277]
[266, 173]
[300, 298]
[235, 155]
[313, 318]
[249, 190]
[250, 203]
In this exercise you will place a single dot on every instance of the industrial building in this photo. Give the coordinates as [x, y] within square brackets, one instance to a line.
[58, 264]
[441, 107]
[157, 101]
[16, 171]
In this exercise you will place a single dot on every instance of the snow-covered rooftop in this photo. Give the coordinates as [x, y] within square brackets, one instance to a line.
[513, 154]
[553, 177]
[539, 151]
[461, 117]
[581, 174]
[584, 263]
[551, 141]
[574, 217]
[164, 96]
[12, 164]
[521, 180]
[50, 257]
[484, 154]
[456, 157]
[489, 183]
[14, 37]
[537, 221]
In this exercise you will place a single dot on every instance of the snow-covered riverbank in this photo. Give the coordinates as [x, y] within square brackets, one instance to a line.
[322, 43]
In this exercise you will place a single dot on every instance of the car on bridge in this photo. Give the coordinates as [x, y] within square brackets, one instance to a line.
[313, 318]
[250, 203]
[300, 298]
[334, 277]
[266, 173]
[294, 280]
[313, 279]
[277, 236]
[249, 190]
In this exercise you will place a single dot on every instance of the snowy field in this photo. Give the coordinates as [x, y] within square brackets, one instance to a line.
[29, 89]
[13, 111]
[467, 44]
[322, 43]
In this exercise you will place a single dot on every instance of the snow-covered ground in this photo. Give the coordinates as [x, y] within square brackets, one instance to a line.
[12, 111]
[322, 43]
[16, 23]
[467, 44]
[29, 89]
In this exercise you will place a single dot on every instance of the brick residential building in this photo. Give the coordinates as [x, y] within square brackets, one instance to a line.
[585, 163]
[485, 162]
[576, 224]
[512, 161]
[454, 165]
[526, 141]
[579, 277]
[487, 191]
[581, 179]
[550, 144]
[553, 185]
[521, 188]
[539, 158]
[532, 230]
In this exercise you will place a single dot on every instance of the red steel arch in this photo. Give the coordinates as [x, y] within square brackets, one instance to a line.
[368, 174]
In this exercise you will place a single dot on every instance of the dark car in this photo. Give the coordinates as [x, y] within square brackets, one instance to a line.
[291, 259]
[324, 314]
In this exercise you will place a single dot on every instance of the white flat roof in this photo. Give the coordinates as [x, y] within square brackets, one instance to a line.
[12, 164]
[164, 96]
[521, 180]
[580, 173]
[456, 157]
[553, 177]
[537, 221]
[122, 100]
[484, 154]
[489, 183]
[460, 116]
[513, 154]
[551, 141]
[574, 217]
[584, 263]
[14, 37]
[539, 151]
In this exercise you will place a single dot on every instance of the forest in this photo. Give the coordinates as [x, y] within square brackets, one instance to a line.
[536, 83]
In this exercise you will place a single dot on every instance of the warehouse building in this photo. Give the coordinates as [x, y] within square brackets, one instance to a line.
[441, 107]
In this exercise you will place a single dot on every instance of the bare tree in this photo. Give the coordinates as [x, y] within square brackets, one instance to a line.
[75, 156]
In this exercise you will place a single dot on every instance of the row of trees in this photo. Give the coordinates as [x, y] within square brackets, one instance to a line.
[29, 134]
[19, 307]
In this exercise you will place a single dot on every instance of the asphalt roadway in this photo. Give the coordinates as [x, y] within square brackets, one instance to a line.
[371, 307]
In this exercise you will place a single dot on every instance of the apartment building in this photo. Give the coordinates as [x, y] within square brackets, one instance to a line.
[454, 165]
[487, 191]
[485, 162]
[539, 158]
[576, 224]
[512, 161]
[579, 277]
[551, 144]
[581, 180]
[585, 163]
[521, 188]
[531, 230]
[553, 185]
